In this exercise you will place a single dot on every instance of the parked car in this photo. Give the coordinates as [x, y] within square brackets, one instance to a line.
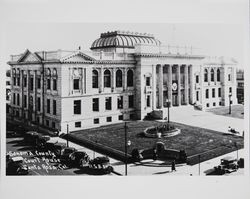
[101, 164]
[41, 140]
[15, 166]
[228, 164]
[79, 159]
[65, 154]
[30, 137]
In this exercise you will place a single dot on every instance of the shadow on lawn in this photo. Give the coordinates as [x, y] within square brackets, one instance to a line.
[89, 171]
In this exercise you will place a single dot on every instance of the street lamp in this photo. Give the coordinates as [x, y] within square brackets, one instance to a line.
[127, 144]
[168, 103]
[67, 135]
[230, 95]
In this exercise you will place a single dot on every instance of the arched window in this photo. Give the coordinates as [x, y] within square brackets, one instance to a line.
[107, 79]
[205, 75]
[118, 78]
[212, 75]
[218, 75]
[94, 79]
[48, 72]
[130, 78]
[54, 72]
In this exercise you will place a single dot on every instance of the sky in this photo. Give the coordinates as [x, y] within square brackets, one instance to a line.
[211, 39]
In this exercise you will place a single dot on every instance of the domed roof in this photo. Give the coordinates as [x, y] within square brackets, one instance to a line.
[123, 39]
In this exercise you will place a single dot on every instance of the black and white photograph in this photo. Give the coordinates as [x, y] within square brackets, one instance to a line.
[157, 100]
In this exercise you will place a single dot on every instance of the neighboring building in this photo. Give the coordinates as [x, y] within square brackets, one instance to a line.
[125, 76]
[8, 91]
[240, 86]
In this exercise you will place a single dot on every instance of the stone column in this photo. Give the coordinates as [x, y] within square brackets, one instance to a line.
[113, 79]
[124, 79]
[186, 84]
[154, 87]
[170, 83]
[192, 85]
[100, 80]
[160, 86]
[209, 75]
[215, 76]
[179, 84]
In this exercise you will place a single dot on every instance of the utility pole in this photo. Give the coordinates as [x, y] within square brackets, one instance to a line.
[126, 166]
[67, 135]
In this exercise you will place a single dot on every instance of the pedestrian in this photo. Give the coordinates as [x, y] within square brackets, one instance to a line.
[173, 166]
[155, 154]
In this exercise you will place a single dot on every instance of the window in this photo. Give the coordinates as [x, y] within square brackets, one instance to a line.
[18, 99]
[120, 102]
[77, 106]
[95, 104]
[207, 104]
[230, 90]
[220, 103]
[47, 123]
[214, 104]
[107, 79]
[108, 103]
[39, 83]
[7, 83]
[48, 84]
[213, 92]
[14, 81]
[120, 117]
[53, 125]
[31, 84]
[218, 75]
[78, 124]
[25, 101]
[229, 77]
[207, 93]
[54, 84]
[25, 81]
[39, 104]
[212, 75]
[76, 85]
[14, 98]
[197, 79]
[96, 121]
[54, 107]
[109, 119]
[131, 101]
[130, 78]
[205, 75]
[148, 100]
[197, 95]
[38, 120]
[18, 81]
[147, 81]
[219, 92]
[48, 105]
[17, 113]
[118, 78]
[94, 79]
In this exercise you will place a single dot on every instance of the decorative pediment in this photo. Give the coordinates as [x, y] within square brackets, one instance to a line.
[29, 57]
[77, 57]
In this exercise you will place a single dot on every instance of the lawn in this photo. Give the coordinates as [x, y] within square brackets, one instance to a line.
[237, 111]
[193, 140]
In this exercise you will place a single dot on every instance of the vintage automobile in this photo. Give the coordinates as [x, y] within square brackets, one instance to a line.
[41, 140]
[79, 159]
[15, 166]
[227, 165]
[65, 154]
[30, 137]
[101, 164]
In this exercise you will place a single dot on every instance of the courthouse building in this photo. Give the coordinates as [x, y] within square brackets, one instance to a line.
[124, 76]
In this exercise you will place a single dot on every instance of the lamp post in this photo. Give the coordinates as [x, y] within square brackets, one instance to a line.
[67, 135]
[127, 144]
[168, 103]
[230, 95]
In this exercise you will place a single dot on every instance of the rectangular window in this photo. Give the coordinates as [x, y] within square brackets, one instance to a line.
[39, 104]
[53, 125]
[230, 90]
[39, 83]
[207, 104]
[14, 98]
[14, 81]
[197, 78]
[120, 102]
[148, 101]
[31, 83]
[120, 117]
[48, 84]
[48, 105]
[213, 92]
[78, 124]
[95, 104]
[219, 92]
[147, 81]
[54, 107]
[109, 119]
[108, 103]
[220, 103]
[24, 81]
[229, 77]
[131, 101]
[214, 104]
[76, 84]
[18, 81]
[25, 101]
[38, 120]
[18, 99]
[77, 107]
[47, 123]
[96, 121]
[54, 84]
[197, 95]
[207, 93]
